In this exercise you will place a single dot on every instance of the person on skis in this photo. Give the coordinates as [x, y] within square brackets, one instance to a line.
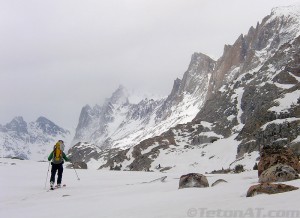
[57, 157]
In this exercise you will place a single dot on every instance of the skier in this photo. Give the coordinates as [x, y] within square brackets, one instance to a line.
[57, 156]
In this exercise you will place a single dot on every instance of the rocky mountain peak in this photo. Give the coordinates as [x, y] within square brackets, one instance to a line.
[192, 88]
[120, 96]
[17, 125]
[44, 120]
[253, 101]
[241, 101]
[200, 63]
[286, 11]
[200, 66]
[118, 118]
[86, 111]
[30, 141]
[48, 127]
[94, 122]
[282, 26]
[194, 79]
[86, 108]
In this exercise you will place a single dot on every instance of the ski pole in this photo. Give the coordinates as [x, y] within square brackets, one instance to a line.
[47, 175]
[75, 171]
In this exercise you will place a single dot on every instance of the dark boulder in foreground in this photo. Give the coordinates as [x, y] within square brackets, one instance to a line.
[272, 155]
[268, 188]
[278, 173]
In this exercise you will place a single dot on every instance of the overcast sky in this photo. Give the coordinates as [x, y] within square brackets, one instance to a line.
[58, 55]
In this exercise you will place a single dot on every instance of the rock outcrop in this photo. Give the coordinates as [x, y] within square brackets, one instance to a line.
[193, 180]
[268, 188]
[271, 156]
[278, 173]
[77, 165]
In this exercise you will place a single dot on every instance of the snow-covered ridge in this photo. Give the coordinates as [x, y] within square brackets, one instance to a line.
[287, 11]
[289, 15]
[280, 121]
[122, 123]
[32, 140]
[253, 86]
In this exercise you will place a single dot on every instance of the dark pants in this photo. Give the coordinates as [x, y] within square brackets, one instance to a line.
[60, 169]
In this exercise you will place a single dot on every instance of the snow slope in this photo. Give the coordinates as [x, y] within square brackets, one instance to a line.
[184, 156]
[123, 194]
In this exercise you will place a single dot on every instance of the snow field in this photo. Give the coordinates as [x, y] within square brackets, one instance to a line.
[123, 194]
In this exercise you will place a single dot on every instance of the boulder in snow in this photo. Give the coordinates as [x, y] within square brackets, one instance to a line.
[268, 188]
[278, 173]
[193, 180]
[271, 156]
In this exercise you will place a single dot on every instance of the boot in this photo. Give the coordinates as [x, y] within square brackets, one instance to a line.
[51, 185]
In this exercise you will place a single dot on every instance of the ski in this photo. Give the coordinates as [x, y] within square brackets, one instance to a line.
[62, 186]
[56, 187]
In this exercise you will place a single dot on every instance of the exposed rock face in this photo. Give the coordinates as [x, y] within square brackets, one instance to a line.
[78, 165]
[271, 156]
[253, 73]
[84, 152]
[257, 99]
[193, 180]
[268, 188]
[295, 146]
[93, 122]
[250, 93]
[118, 123]
[278, 173]
[142, 154]
[261, 127]
[32, 140]
[194, 83]
[121, 124]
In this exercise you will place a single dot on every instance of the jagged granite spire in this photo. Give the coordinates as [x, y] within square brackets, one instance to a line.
[121, 123]
[252, 101]
[120, 96]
